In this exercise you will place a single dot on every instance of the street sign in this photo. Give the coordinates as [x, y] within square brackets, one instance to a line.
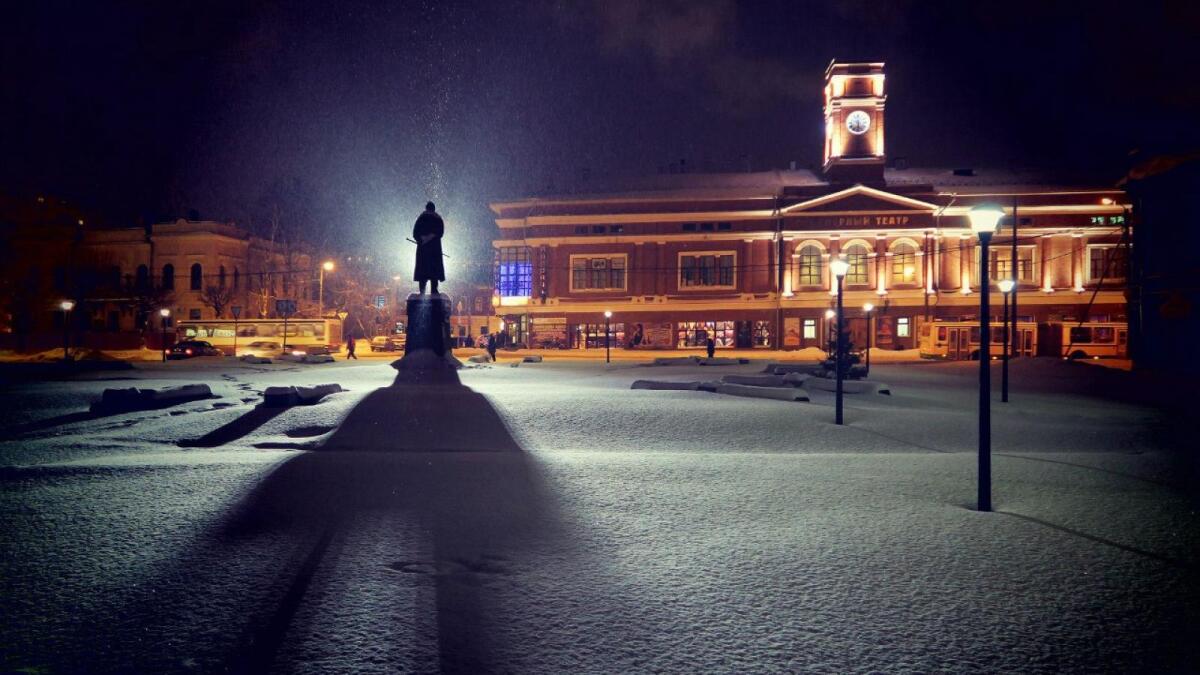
[285, 307]
[237, 311]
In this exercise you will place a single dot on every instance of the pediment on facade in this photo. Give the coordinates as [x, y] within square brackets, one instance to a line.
[860, 199]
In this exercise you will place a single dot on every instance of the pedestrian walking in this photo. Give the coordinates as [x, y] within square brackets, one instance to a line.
[711, 347]
[350, 348]
[491, 345]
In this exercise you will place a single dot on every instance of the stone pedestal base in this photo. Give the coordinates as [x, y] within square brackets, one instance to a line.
[427, 341]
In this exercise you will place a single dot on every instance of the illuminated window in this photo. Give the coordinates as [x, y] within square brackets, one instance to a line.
[706, 270]
[904, 264]
[1000, 264]
[810, 329]
[514, 272]
[902, 327]
[859, 259]
[811, 266]
[598, 273]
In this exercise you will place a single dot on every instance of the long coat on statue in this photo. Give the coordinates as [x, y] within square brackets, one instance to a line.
[429, 255]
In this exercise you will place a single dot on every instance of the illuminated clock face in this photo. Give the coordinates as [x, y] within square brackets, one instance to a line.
[858, 122]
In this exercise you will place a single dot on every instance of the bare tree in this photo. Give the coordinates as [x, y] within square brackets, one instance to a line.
[218, 298]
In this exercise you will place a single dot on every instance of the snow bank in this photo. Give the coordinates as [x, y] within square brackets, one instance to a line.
[283, 396]
[722, 361]
[849, 386]
[776, 393]
[675, 361]
[757, 380]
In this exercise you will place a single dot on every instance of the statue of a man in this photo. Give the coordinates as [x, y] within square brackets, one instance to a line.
[427, 232]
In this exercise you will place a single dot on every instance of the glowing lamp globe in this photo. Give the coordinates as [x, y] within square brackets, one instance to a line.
[607, 314]
[985, 218]
[67, 305]
[868, 307]
[839, 267]
[164, 312]
[1006, 285]
[829, 314]
[327, 265]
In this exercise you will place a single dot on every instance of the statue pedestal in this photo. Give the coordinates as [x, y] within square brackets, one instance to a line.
[427, 338]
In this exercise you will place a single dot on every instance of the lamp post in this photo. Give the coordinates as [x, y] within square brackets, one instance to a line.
[1006, 288]
[66, 306]
[164, 313]
[868, 308]
[607, 332]
[984, 219]
[326, 266]
[839, 268]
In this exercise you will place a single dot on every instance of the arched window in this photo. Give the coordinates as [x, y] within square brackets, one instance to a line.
[904, 264]
[114, 276]
[811, 266]
[221, 276]
[168, 278]
[235, 278]
[142, 280]
[858, 256]
[197, 276]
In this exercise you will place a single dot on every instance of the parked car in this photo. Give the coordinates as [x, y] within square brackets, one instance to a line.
[191, 348]
[265, 349]
[384, 343]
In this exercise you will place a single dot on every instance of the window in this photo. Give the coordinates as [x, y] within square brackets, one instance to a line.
[859, 258]
[142, 280]
[697, 333]
[597, 229]
[706, 270]
[724, 226]
[598, 273]
[810, 329]
[514, 272]
[1106, 262]
[1000, 264]
[197, 276]
[221, 277]
[236, 278]
[902, 327]
[707, 227]
[616, 229]
[689, 227]
[581, 229]
[811, 265]
[478, 305]
[194, 314]
[168, 278]
[904, 264]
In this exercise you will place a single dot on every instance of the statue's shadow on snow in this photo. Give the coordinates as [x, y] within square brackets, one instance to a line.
[428, 448]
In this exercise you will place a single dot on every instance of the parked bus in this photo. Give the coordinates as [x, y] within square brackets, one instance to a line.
[1087, 340]
[959, 340]
[301, 333]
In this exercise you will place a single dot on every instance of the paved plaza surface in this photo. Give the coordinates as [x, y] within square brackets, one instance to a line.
[546, 518]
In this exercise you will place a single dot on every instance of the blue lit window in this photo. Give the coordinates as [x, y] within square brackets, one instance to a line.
[514, 272]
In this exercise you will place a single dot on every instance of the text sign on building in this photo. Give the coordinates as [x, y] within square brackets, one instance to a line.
[285, 307]
[380, 301]
[869, 222]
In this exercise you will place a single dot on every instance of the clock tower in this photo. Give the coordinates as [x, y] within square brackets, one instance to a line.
[854, 98]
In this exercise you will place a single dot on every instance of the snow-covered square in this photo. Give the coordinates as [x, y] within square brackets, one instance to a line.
[549, 518]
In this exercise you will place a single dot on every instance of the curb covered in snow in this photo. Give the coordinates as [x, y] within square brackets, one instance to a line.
[279, 397]
[849, 386]
[131, 398]
[665, 386]
[775, 393]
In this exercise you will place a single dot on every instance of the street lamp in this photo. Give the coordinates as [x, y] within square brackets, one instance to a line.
[66, 306]
[868, 307]
[326, 266]
[164, 313]
[607, 349]
[839, 268]
[984, 219]
[1006, 287]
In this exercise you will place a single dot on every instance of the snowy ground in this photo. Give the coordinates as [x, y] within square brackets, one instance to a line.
[575, 525]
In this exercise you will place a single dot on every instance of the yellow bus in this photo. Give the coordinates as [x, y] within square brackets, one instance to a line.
[1087, 340]
[959, 340]
[301, 333]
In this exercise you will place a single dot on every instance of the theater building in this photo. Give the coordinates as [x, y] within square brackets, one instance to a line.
[744, 258]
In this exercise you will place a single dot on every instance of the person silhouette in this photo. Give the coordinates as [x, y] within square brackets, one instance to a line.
[427, 232]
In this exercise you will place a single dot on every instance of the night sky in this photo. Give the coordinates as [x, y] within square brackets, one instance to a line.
[345, 117]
